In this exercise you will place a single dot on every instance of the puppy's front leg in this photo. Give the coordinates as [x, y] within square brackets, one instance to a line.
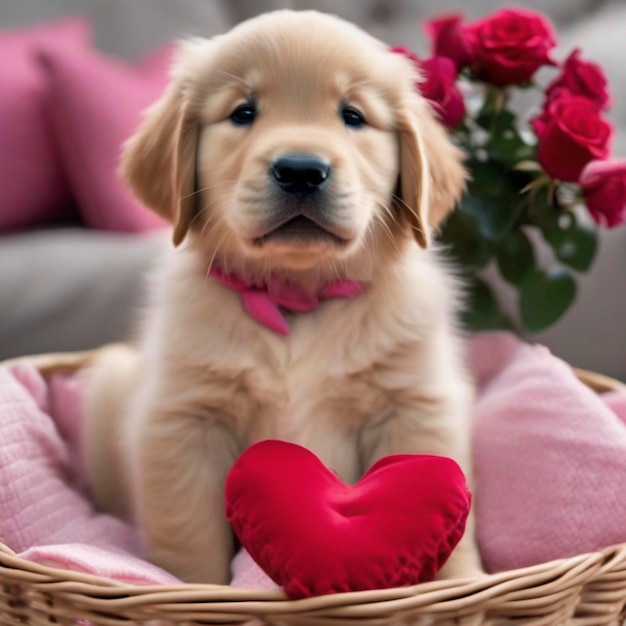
[437, 425]
[179, 465]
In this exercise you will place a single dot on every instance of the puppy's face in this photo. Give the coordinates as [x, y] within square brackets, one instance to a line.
[298, 152]
[295, 141]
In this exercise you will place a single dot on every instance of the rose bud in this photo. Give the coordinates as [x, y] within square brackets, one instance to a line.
[604, 188]
[449, 39]
[581, 78]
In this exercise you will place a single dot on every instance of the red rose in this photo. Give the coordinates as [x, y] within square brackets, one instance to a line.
[438, 86]
[582, 78]
[449, 39]
[510, 46]
[571, 132]
[407, 53]
[604, 187]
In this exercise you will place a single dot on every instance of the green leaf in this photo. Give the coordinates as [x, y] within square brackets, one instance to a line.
[462, 241]
[483, 311]
[516, 257]
[488, 178]
[495, 216]
[575, 244]
[544, 297]
[492, 202]
[541, 210]
[492, 117]
[509, 147]
[505, 142]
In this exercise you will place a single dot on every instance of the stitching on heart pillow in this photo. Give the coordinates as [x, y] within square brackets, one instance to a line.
[314, 534]
[34, 186]
[96, 104]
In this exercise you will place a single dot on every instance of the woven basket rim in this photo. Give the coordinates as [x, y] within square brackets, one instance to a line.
[592, 584]
[546, 582]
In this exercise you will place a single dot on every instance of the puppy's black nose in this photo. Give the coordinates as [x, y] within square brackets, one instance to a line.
[300, 173]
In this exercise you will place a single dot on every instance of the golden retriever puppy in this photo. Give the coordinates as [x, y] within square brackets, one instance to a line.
[303, 175]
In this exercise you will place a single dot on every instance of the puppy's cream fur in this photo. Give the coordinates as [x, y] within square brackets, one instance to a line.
[356, 379]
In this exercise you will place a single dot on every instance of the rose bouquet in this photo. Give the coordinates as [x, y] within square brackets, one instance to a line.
[541, 174]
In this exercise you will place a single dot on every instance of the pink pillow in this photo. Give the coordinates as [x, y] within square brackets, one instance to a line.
[96, 105]
[46, 518]
[549, 459]
[32, 183]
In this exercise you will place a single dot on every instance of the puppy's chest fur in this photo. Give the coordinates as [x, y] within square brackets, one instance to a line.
[303, 400]
[326, 386]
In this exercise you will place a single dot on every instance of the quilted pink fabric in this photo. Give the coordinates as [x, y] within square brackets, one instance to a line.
[46, 516]
[550, 470]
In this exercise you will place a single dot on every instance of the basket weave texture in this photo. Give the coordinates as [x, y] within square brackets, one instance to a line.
[585, 590]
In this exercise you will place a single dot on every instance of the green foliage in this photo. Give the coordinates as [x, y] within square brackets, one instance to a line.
[574, 244]
[544, 297]
[514, 218]
[516, 257]
[483, 311]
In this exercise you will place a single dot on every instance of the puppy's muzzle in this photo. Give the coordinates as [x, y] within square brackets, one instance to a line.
[300, 174]
[303, 212]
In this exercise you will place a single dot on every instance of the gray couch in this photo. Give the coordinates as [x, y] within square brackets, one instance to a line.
[66, 289]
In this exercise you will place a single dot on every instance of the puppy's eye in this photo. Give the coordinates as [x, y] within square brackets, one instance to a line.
[352, 117]
[244, 114]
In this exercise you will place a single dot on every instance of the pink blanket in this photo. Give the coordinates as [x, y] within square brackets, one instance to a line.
[550, 470]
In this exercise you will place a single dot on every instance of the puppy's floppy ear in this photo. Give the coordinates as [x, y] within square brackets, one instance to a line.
[432, 177]
[159, 160]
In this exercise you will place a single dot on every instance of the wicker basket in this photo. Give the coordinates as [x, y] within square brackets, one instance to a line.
[589, 589]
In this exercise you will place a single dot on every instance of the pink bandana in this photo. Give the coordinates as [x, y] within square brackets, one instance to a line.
[263, 301]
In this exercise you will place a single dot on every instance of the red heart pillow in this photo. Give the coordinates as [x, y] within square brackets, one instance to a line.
[314, 534]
